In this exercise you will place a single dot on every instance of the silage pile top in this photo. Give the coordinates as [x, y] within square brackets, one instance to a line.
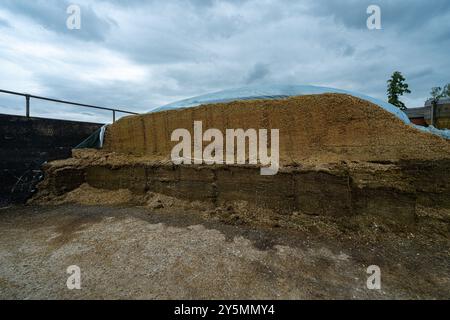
[273, 92]
[285, 91]
[318, 128]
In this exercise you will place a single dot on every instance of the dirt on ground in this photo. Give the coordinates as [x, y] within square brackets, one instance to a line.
[129, 252]
[433, 223]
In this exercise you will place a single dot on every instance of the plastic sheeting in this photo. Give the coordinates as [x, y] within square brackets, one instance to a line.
[444, 133]
[284, 91]
[95, 140]
[273, 92]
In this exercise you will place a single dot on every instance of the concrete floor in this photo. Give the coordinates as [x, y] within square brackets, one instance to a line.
[136, 253]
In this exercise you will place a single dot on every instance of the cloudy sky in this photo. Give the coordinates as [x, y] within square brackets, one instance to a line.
[137, 54]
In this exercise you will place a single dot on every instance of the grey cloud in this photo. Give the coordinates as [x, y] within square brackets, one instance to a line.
[4, 23]
[348, 50]
[192, 47]
[52, 15]
[193, 3]
[118, 94]
[421, 73]
[154, 47]
[258, 73]
[399, 14]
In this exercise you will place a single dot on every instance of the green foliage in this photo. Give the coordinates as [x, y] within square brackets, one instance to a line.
[438, 93]
[397, 87]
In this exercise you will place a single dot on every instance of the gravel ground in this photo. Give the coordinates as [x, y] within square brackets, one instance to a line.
[137, 253]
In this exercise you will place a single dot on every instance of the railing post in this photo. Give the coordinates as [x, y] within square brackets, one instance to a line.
[27, 99]
[29, 96]
[433, 112]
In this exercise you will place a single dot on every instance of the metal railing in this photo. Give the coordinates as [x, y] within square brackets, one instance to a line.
[28, 97]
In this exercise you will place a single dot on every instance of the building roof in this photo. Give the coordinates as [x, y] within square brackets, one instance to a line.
[441, 101]
[417, 112]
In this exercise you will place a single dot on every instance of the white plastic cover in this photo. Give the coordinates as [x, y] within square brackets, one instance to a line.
[284, 91]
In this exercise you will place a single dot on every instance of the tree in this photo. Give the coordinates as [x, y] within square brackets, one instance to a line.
[397, 87]
[438, 93]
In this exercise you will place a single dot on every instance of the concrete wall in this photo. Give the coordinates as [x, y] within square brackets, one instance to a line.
[25, 143]
[422, 116]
